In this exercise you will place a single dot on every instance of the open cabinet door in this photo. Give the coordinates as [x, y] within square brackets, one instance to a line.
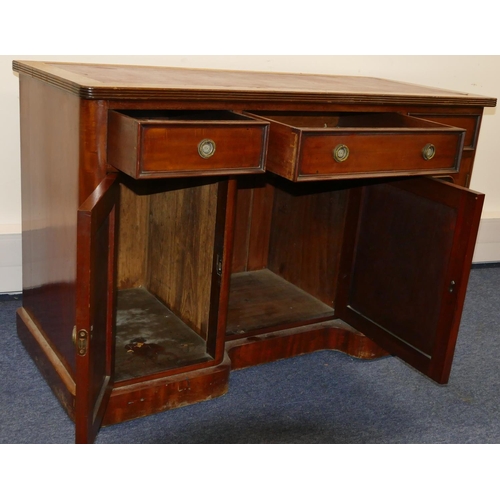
[405, 266]
[95, 308]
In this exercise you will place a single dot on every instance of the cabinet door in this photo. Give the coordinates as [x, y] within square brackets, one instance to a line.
[95, 308]
[405, 265]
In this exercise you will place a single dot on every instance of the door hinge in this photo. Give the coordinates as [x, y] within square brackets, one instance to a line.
[80, 340]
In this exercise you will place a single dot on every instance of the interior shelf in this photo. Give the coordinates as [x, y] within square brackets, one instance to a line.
[150, 338]
[261, 299]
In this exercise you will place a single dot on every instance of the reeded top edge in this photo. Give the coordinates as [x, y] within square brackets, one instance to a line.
[107, 81]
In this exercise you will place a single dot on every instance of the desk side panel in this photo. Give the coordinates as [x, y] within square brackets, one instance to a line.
[49, 176]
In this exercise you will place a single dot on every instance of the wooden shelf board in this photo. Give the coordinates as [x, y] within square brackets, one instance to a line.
[261, 299]
[167, 342]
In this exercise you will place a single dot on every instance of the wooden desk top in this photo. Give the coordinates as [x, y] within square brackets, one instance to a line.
[106, 81]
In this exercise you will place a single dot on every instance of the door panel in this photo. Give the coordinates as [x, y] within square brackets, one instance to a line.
[95, 307]
[405, 267]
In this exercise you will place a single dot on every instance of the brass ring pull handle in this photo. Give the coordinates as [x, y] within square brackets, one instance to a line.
[340, 153]
[206, 148]
[428, 151]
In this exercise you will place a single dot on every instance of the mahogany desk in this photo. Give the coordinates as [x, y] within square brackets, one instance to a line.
[180, 223]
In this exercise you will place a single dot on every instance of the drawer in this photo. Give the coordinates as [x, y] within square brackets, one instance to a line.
[310, 146]
[159, 144]
[470, 123]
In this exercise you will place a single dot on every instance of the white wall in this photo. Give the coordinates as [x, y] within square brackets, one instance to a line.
[474, 74]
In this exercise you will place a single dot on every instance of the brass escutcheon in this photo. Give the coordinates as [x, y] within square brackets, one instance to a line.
[81, 342]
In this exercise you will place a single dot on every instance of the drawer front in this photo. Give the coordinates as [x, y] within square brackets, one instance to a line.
[158, 145]
[310, 146]
[384, 153]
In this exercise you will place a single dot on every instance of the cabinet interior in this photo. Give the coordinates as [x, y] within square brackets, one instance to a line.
[164, 276]
[286, 256]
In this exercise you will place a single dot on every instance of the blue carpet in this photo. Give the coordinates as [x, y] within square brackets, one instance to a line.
[324, 397]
